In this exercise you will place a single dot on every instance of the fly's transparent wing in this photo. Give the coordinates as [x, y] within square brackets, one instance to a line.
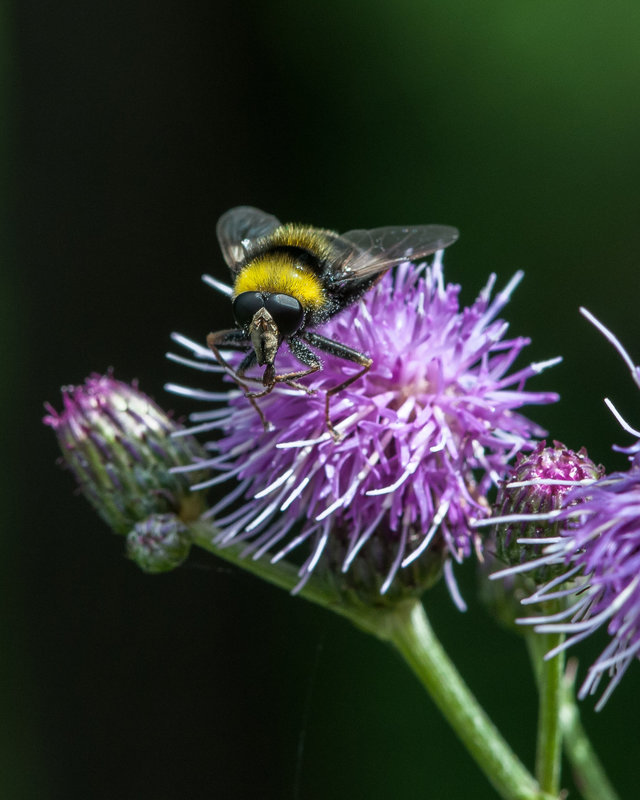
[237, 228]
[364, 253]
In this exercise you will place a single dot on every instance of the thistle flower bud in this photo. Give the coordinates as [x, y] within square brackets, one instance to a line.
[537, 487]
[159, 543]
[119, 445]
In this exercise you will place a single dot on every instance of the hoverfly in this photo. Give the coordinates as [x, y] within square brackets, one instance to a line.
[290, 278]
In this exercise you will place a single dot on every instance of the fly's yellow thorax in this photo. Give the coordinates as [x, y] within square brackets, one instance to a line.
[277, 273]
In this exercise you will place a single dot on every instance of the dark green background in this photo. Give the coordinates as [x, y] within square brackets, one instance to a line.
[129, 127]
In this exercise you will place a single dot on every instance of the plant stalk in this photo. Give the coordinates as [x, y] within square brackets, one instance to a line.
[405, 626]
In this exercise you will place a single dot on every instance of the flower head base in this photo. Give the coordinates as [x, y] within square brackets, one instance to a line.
[119, 445]
[364, 579]
[424, 434]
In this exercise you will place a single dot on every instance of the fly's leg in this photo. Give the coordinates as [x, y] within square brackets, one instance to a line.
[305, 356]
[342, 351]
[235, 339]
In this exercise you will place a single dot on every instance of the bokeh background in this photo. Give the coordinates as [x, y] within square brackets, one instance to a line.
[128, 128]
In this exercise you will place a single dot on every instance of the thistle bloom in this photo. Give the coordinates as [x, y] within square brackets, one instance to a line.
[119, 445]
[423, 434]
[597, 548]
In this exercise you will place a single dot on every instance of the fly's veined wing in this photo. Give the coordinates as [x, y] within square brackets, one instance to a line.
[236, 229]
[363, 253]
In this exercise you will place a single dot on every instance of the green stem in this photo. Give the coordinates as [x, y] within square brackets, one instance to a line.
[414, 638]
[549, 744]
[406, 627]
[588, 771]
[281, 574]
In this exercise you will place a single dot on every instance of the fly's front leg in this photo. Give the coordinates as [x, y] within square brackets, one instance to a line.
[306, 357]
[236, 339]
[268, 380]
[233, 338]
[342, 351]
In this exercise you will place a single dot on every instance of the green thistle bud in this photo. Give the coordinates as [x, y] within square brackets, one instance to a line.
[159, 543]
[119, 445]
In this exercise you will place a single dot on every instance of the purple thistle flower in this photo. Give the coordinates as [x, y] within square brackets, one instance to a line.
[424, 434]
[598, 548]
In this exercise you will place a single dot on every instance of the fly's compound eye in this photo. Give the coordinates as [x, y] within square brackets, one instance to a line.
[245, 306]
[286, 311]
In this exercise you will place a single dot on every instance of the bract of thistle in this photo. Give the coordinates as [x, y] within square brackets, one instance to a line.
[423, 435]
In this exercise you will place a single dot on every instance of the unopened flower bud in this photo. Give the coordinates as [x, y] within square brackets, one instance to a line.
[159, 543]
[119, 445]
[537, 487]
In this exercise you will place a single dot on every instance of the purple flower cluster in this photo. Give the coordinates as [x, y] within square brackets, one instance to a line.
[423, 435]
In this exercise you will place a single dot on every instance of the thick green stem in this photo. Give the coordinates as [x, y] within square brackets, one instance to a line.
[549, 744]
[406, 627]
[415, 640]
[588, 771]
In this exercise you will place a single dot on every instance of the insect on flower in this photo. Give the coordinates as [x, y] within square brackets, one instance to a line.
[290, 278]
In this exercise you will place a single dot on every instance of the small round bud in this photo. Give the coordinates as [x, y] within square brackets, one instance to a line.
[159, 543]
[537, 486]
[122, 450]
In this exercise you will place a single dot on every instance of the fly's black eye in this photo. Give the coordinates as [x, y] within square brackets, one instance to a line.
[286, 311]
[245, 306]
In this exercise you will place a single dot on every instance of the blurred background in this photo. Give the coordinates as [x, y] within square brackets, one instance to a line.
[128, 128]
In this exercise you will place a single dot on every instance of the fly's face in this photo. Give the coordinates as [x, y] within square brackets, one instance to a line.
[267, 319]
[264, 337]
